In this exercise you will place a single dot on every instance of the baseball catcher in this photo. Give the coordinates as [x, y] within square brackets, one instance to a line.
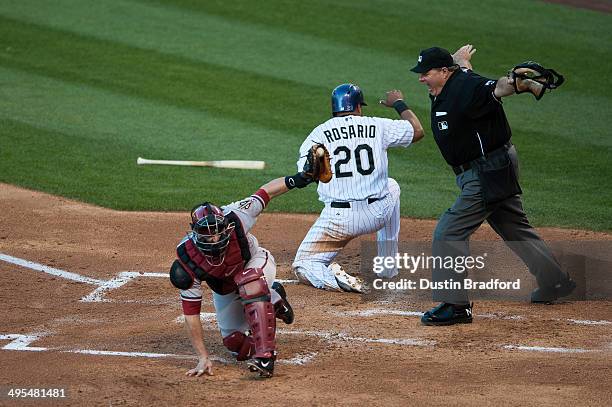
[221, 252]
[534, 78]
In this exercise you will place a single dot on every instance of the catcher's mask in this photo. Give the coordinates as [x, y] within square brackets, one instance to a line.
[346, 98]
[548, 78]
[210, 231]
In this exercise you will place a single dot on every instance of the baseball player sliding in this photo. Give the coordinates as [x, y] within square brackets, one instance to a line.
[220, 251]
[360, 198]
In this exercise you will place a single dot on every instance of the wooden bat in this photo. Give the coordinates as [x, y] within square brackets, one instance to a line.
[240, 164]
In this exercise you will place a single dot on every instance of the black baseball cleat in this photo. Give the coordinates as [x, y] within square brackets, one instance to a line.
[448, 314]
[282, 309]
[547, 295]
[264, 366]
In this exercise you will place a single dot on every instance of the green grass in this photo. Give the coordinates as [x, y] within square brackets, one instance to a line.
[87, 87]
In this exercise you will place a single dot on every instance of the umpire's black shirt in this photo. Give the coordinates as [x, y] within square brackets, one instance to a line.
[467, 120]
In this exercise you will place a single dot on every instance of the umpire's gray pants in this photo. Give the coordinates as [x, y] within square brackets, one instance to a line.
[507, 218]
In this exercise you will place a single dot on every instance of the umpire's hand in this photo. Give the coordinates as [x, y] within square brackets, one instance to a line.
[204, 367]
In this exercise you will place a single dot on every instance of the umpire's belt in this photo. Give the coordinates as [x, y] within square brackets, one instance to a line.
[337, 204]
[467, 166]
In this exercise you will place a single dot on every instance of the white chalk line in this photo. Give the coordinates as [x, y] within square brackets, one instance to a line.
[379, 311]
[587, 322]
[22, 343]
[210, 319]
[548, 349]
[383, 311]
[344, 337]
[49, 270]
[104, 286]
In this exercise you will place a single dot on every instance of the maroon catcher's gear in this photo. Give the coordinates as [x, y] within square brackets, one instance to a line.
[219, 277]
[258, 310]
[241, 344]
[211, 231]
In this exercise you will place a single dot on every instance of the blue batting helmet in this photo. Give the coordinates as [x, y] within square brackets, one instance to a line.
[346, 98]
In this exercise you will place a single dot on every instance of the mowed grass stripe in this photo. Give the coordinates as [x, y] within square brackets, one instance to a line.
[223, 41]
[242, 37]
[153, 129]
[91, 137]
[106, 173]
[556, 34]
[229, 38]
[171, 80]
[105, 67]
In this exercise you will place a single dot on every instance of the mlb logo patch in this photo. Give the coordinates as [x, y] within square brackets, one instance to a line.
[443, 125]
[420, 58]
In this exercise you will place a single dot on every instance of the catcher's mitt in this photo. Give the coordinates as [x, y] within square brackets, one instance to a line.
[534, 78]
[318, 166]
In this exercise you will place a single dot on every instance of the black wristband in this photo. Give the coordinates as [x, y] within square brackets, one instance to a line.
[296, 181]
[400, 106]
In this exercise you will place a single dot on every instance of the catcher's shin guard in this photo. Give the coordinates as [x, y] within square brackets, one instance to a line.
[261, 319]
[258, 310]
[240, 344]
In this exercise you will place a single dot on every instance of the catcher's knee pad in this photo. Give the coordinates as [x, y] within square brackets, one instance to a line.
[242, 345]
[252, 286]
[261, 318]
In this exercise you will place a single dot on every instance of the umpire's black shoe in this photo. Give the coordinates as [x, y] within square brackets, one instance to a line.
[448, 314]
[264, 366]
[549, 294]
[282, 309]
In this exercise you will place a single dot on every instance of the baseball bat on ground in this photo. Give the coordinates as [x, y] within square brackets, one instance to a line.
[239, 164]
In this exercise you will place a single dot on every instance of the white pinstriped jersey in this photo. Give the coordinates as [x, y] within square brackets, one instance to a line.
[358, 149]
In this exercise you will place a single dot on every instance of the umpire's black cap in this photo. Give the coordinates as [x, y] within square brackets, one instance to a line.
[434, 57]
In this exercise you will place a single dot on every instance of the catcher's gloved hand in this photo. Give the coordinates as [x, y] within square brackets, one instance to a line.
[318, 166]
[534, 78]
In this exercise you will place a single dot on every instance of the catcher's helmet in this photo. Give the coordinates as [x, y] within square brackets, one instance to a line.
[346, 98]
[210, 230]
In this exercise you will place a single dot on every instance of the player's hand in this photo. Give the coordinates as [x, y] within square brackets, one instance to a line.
[204, 367]
[391, 97]
[463, 55]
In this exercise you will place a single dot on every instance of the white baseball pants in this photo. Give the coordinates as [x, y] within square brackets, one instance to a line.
[335, 227]
[229, 308]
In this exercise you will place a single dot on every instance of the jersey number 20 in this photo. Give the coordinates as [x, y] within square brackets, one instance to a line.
[347, 157]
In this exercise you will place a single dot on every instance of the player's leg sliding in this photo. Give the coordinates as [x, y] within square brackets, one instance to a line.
[260, 316]
[332, 277]
[345, 281]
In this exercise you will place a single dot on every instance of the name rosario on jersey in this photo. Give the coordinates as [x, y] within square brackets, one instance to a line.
[349, 132]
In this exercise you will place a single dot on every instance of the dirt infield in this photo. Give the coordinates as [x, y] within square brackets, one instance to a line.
[341, 350]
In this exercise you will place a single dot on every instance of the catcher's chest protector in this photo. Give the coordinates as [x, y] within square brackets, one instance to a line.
[236, 256]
